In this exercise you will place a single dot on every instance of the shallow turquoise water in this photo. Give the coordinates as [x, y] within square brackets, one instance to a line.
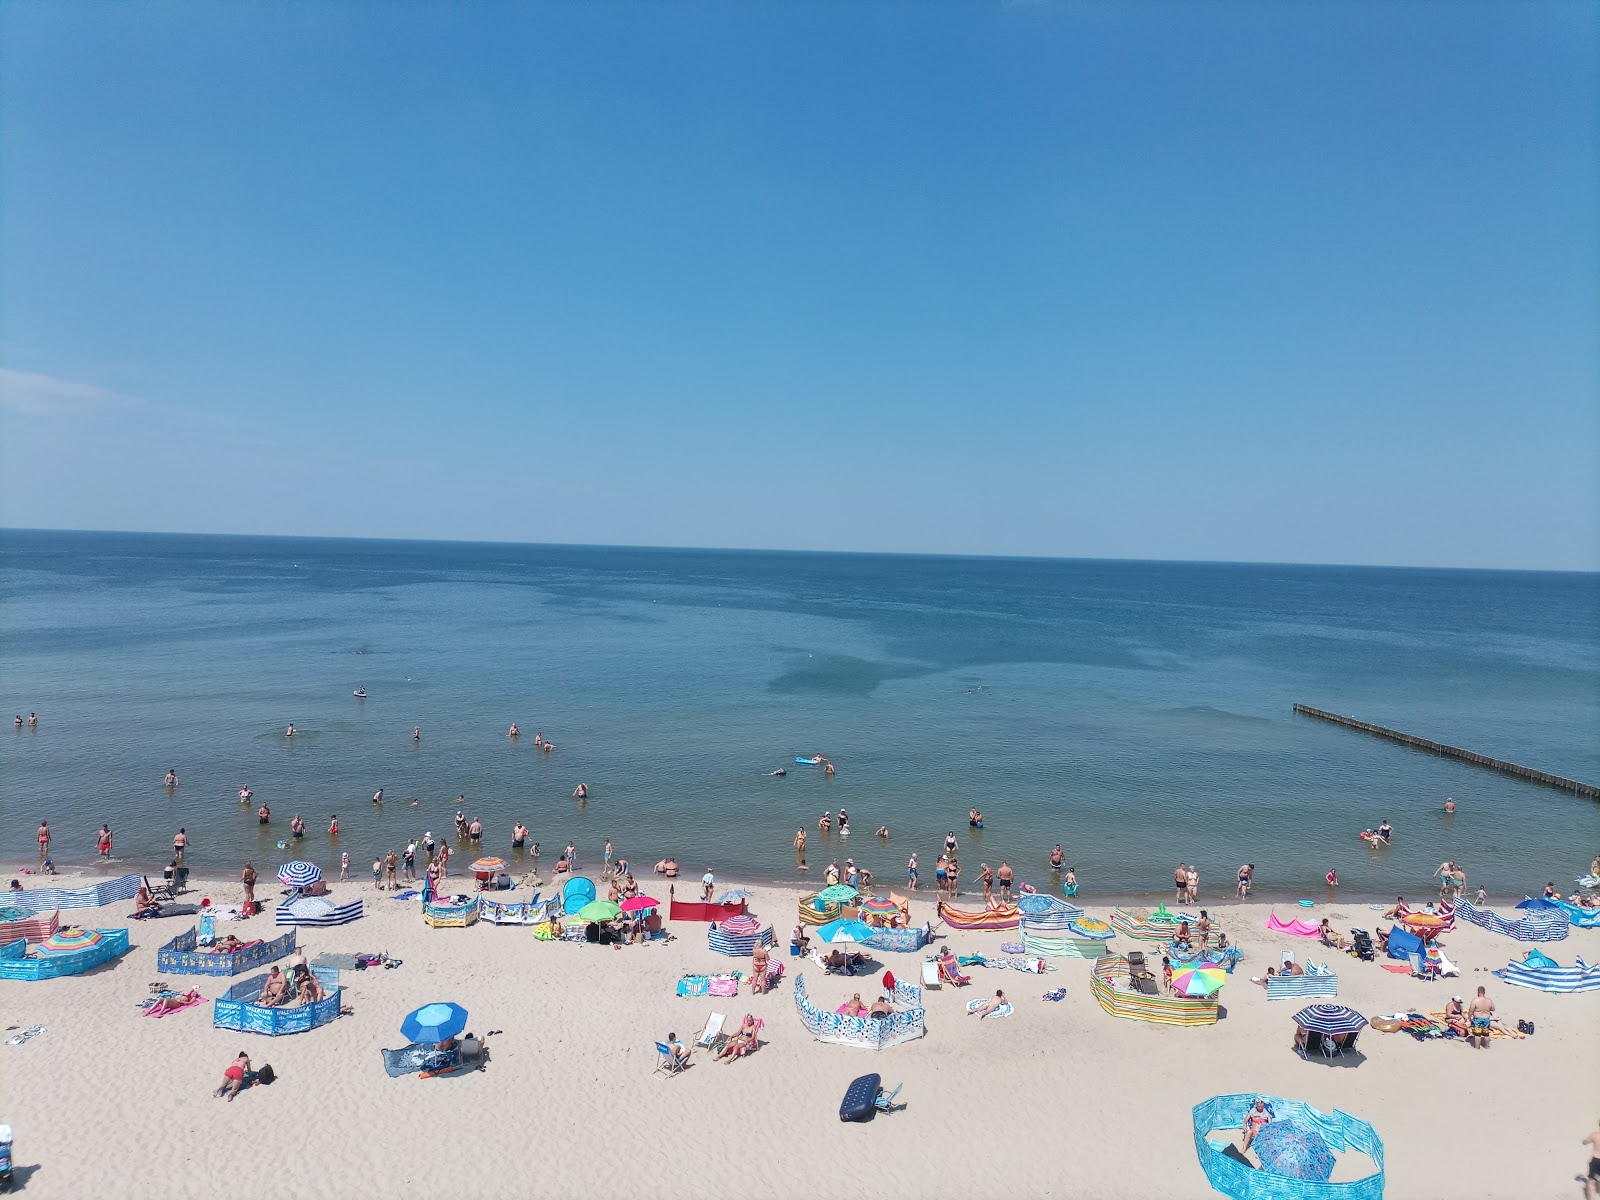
[1139, 713]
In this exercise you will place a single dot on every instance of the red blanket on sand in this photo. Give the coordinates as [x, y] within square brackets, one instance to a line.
[1298, 928]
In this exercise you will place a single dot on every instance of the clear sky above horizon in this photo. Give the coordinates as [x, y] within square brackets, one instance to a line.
[1299, 282]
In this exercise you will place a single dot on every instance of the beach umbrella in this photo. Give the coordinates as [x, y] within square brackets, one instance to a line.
[839, 893]
[1330, 1018]
[845, 931]
[1092, 927]
[741, 925]
[434, 1023]
[879, 904]
[488, 865]
[1292, 1149]
[1199, 981]
[299, 873]
[640, 903]
[733, 896]
[1538, 904]
[71, 938]
[600, 910]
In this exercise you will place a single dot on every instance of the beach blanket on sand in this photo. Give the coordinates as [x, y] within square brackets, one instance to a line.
[408, 1061]
[1509, 1035]
[1296, 927]
[1005, 1010]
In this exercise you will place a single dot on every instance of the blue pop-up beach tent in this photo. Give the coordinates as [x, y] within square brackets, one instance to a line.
[1403, 944]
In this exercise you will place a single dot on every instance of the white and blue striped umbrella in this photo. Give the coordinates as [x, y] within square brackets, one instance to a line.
[299, 873]
[1330, 1018]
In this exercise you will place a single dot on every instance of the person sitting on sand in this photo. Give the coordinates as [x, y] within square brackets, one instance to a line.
[1271, 973]
[881, 1008]
[741, 1041]
[275, 989]
[1400, 909]
[226, 944]
[233, 1077]
[142, 902]
[988, 1006]
[853, 1007]
[1184, 939]
[1455, 1016]
[1253, 1121]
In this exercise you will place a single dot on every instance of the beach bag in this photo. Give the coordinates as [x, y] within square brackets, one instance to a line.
[266, 1074]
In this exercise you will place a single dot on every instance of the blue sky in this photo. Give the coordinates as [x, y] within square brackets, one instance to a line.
[1222, 281]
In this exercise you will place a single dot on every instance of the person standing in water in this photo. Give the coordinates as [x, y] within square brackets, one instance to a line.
[416, 733]
[1449, 805]
[333, 826]
[581, 791]
[105, 841]
[245, 794]
[297, 826]
[44, 839]
[377, 796]
[800, 848]
[513, 733]
[180, 843]
[289, 732]
[172, 777]
[33, 720]
[263, 814]
[519, 835]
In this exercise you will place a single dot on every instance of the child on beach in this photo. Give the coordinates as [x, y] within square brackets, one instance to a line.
[344, 865]
[1166, 972]
[377, 872]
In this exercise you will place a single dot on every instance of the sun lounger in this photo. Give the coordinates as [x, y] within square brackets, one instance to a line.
[951, 974]
[668, 1063]
[712, 1037]
[930, 976]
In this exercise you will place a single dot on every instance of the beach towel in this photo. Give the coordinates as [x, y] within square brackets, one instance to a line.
[1058, 994]
[409, 1060]
[724, 985]
[1397, 968]
[693, 985]
[1296, 927]
[1004, 1010]
[412, 894]
[27, 1035]
[1510, 1035]
[154, 1007]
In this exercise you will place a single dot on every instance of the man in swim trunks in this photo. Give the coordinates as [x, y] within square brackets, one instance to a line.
[519, 835]
[941, 873]
[1180, 881]
[1481, 1013]
[1003, 876]
[1245, 872]
[44, 835]
[272, 992]
[1592, 1184]
[911, 872]
[1058, 858]
[475, 832]
[263, 814]
[172, 777]
[297, 826]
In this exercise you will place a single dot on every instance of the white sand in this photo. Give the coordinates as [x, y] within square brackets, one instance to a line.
[1058, 1100]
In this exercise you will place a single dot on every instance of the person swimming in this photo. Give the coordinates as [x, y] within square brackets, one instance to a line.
[581, 791]
[361, 693]
[289, 732]
[779, 771]
[377, 796]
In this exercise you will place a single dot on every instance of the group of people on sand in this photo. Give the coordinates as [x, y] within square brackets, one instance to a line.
[300, 985]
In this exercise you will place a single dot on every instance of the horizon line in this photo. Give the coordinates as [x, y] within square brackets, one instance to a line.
[1211, 562]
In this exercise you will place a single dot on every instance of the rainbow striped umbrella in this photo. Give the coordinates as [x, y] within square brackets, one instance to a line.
[879, 904]
[1199, 981]
[71, 938]
[486, 865]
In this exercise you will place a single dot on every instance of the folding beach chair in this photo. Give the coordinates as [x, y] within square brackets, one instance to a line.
[884, 1101]
[930, 976]
[951, 974]
[667, 1064]
[712, 1037]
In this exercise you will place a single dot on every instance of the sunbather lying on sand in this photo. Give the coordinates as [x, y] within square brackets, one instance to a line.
[173, 1003]
[233, 1077]
[988, 1006]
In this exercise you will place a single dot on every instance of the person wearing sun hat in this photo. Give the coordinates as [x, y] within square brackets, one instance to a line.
[1455, 1016]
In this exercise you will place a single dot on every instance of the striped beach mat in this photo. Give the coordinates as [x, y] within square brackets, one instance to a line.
[1550, 926]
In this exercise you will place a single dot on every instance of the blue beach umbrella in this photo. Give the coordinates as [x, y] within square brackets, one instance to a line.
[734, 896]
[299, 873]
[850, 930]
[1292, 1149]
[1330, 1018]
[434, 1023]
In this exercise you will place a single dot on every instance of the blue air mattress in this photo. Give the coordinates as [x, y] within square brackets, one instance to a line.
[860, 1098]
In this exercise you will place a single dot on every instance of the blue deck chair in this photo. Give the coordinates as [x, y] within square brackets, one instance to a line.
[667, 1064]
[884, 1102]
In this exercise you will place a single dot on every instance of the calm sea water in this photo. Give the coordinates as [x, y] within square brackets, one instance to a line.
[1138, 713]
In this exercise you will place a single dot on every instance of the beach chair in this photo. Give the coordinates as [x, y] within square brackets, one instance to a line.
[952, 974]
[667, 1064]
[930, 976]
[884, 1101]
[1330, 1048]
[712, 1037]
[754, 1044]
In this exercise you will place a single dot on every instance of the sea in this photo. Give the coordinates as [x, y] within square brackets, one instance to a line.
[1137, 713]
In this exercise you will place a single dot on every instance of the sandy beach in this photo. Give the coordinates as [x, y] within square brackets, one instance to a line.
[1057, 1100]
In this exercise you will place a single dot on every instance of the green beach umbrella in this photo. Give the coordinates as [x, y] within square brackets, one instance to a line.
[839, 893]
[600, 910]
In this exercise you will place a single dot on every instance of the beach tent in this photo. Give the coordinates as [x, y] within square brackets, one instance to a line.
[576, 894]
[1403, 945]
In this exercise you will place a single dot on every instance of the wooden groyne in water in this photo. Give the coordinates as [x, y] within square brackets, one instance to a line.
[1479, 760]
